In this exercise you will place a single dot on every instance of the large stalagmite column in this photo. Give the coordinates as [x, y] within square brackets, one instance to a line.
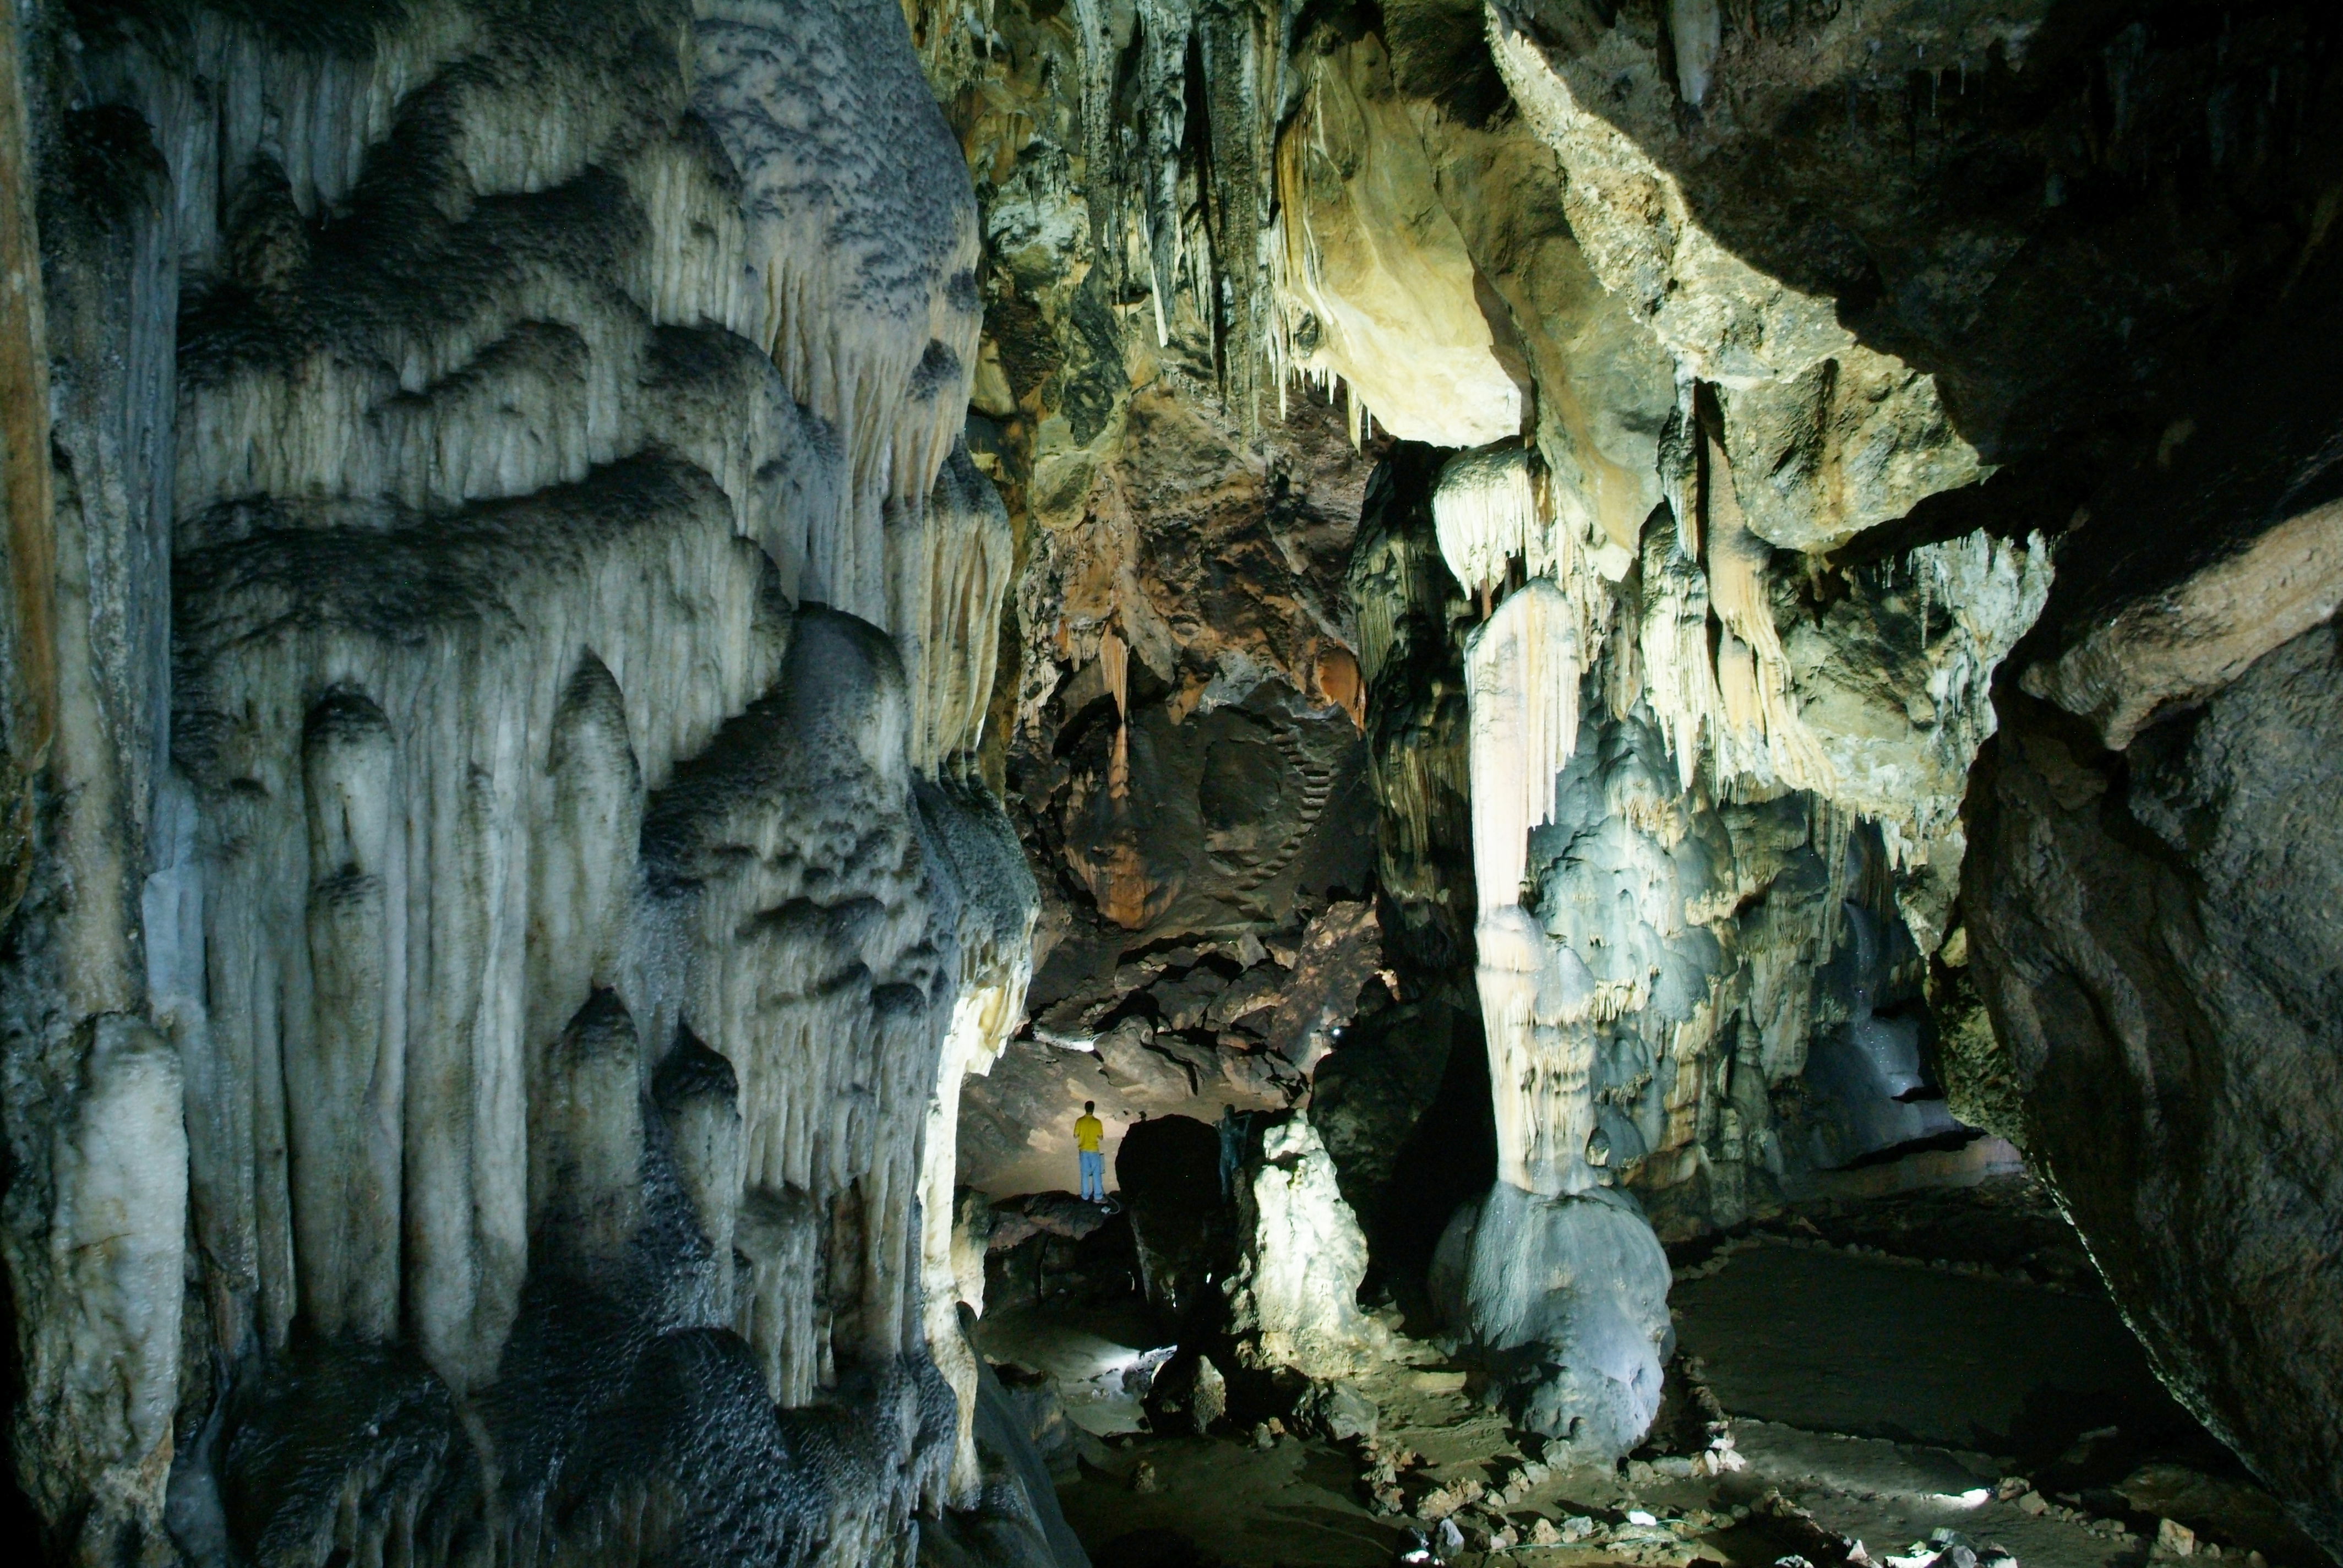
[1522, 679]
[346, 1080]
[989, 1007]
[951, 560]
[1552, 1258]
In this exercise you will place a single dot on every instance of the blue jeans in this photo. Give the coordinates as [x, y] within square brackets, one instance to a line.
[1093, 1175]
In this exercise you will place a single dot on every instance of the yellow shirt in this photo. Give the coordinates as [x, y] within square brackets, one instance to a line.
[1087, 1133]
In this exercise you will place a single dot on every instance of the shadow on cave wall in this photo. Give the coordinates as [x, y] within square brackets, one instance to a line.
[20, 1527]
[1448, 1157]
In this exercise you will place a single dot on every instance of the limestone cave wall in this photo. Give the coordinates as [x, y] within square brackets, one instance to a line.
[510, 899]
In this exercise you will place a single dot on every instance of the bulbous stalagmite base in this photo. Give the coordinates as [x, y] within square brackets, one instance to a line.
[1567, 1298]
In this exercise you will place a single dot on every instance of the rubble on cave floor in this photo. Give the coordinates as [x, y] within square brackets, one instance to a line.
[1884, 1411]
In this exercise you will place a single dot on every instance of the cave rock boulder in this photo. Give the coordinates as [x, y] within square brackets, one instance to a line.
[1565, 1301]
[1293, 1301]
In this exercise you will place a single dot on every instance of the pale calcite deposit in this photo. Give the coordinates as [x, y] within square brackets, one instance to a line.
[1293, 1301]
[548, 748]
[1374, 284]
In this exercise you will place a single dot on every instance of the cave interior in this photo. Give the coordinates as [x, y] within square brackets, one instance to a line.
[1172, 783]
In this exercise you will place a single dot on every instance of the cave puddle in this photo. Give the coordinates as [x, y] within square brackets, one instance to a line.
[1880, 1348]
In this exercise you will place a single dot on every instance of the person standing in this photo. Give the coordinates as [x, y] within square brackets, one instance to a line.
[1088, 1131]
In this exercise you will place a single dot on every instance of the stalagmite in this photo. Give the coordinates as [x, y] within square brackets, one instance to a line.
[345, 1086]
[1294, 1300]
[101, 1339]
[586, 1141]
[1569, 1293]
[1593, 1300]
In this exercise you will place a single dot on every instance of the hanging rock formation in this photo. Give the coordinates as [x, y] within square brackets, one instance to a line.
[514, 907]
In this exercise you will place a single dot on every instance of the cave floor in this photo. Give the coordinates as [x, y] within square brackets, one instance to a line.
[1219, 1500]
[1088, 1353]
[1870, 1399]
[1876, 1347]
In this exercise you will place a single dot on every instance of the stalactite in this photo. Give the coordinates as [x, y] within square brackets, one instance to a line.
[994, 929]
[1488, 514]
[1114, 659]
[1367, 278]
[1755, 729]
[1522, 671]
[1697, 27]
[490, 500]
[1645, 898]
[586, 1141]
[1240, 56]
[865, 293]
[699, 1099]
[949, 564]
